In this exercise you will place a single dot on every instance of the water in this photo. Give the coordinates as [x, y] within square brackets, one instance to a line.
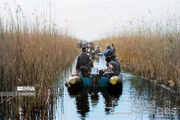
[140, 100]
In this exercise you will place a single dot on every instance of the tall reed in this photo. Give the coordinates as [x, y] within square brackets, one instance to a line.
[33, 56]
[152, 51]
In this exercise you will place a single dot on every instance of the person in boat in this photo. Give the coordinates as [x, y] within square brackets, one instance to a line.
[83, 61]
[98, 50]
[113, 64]
[112, 68]
[108, 51]
[80, 44]
[86, 46]
[114, 49]
[91, 47]
[113, 58]
[93, 56]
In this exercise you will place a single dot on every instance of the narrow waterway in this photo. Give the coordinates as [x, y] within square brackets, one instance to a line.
[140, 100]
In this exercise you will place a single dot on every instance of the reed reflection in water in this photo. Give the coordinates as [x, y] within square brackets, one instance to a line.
[148, 100]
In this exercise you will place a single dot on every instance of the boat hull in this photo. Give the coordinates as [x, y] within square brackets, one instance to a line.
[83, 82]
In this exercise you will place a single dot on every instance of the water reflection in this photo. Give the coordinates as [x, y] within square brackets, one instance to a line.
[94, 97]
[156, 101]
[82, 104]
[87, 95]
[149, 101]
[97, 60]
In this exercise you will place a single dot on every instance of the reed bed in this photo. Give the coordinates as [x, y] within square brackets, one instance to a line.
[33, 56]
[152, 52]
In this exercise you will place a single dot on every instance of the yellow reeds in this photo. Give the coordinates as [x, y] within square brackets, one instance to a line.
[33, 56]
[151, 53]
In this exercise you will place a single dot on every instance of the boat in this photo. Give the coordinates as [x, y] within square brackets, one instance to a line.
[76, 83]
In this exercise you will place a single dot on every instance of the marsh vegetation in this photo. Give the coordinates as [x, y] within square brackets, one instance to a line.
[32, 55]
[149, 49]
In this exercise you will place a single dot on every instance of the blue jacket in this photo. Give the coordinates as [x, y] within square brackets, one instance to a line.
[108, 52]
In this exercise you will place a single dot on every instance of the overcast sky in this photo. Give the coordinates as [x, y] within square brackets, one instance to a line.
[89, 18]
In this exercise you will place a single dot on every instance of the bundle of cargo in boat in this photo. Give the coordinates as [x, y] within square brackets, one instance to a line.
[114, 83]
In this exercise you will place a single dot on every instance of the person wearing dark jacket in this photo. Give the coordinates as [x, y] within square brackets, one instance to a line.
[83, 60]
[113, 58]
[111, 62]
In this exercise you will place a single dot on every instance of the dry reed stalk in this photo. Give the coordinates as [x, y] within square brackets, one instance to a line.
[151, 54]
[33, 57]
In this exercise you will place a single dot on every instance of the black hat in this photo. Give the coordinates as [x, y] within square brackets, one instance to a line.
[83, 48]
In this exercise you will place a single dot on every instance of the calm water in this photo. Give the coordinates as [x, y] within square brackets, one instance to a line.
[140, 100]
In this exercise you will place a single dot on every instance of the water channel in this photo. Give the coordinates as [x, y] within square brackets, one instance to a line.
[140, 100]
